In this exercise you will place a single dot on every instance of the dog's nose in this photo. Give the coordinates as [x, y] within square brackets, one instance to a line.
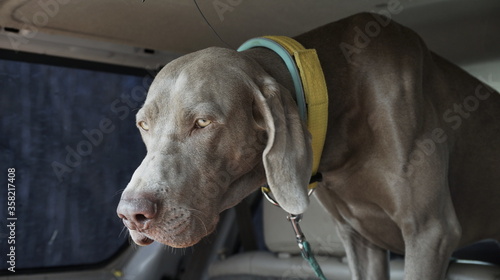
[137, 213]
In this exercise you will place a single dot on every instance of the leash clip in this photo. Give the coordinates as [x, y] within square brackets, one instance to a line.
[299, 235]
[305, 247]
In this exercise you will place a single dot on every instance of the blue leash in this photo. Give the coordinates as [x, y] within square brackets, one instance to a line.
[312, 261]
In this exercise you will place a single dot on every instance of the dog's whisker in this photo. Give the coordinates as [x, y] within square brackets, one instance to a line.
[122, 231]
[118, 192]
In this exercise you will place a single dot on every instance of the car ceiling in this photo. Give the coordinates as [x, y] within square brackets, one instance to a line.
[463, 31]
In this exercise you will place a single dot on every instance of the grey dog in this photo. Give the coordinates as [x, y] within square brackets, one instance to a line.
[411, 162]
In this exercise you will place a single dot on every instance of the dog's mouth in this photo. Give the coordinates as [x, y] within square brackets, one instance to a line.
[140, 239]
[181, 236]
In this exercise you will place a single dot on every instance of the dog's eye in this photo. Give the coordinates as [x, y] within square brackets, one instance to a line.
[144, 125]
[201, 123]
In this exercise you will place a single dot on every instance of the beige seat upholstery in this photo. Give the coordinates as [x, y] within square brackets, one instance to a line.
[283, 261]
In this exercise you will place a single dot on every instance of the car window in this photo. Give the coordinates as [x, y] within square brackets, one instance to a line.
[68, 146]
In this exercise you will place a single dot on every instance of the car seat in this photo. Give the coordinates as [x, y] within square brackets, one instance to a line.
[283, 261]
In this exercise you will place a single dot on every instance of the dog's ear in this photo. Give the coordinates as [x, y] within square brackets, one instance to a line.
[288, 154]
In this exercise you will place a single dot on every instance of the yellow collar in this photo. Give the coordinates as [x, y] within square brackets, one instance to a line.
[310, 84]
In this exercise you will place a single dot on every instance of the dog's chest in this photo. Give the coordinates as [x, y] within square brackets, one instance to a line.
[367, 219]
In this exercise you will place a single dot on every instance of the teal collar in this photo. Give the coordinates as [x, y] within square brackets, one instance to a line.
[290, 64]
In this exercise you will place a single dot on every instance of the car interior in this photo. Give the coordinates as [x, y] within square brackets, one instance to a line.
[73, 73]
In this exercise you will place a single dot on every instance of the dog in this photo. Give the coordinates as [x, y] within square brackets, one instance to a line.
[411, 161]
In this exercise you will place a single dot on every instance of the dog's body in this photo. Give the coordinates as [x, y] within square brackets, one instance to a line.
[411, 162]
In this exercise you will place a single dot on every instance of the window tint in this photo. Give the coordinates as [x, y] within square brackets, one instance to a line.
[70, 135]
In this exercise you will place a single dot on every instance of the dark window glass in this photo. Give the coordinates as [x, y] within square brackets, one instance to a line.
[70, 135]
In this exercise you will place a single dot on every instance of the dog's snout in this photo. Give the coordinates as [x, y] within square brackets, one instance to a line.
[137, 213]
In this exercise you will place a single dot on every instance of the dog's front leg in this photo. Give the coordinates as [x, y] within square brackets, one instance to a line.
[429, 224]
[429, 245]
[366, 260]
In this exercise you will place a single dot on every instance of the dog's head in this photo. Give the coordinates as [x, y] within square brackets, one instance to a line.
[216, 127]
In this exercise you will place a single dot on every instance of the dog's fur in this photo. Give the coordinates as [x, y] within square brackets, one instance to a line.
[411, 162]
